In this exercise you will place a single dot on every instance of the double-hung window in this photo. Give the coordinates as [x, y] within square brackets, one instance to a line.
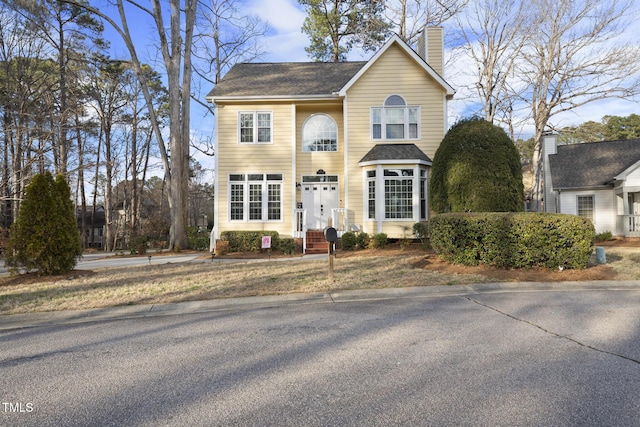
[585, 207]
[395, 120]
[255, 127]
[255, 197]
[371, 194]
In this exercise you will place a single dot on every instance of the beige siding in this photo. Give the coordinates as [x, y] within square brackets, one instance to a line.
[234, 157]
[308, 163]
[434, 48]
[394, 73]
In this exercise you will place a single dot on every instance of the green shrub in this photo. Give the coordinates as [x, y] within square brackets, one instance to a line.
[604, 236]
[348, 241]
[421, 231]
[138, 245]
[513, 240]
[198, 238]
[45, 235]
[287, 246]
[362, 240]
[248, 241]
[379, 241]
[476, 169]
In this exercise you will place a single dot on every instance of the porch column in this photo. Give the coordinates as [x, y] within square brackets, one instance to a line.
[416, 193]
[380, 195]
[625, 202]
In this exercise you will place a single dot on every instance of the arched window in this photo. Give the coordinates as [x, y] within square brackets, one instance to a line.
[320, 133]
[395, 120]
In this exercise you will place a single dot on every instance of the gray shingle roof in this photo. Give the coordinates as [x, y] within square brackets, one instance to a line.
[592, 164]
[285, 79]
[395, 152]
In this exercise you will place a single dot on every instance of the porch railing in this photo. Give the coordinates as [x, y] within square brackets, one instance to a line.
[629, 225]
[300, 231]
[340, 219]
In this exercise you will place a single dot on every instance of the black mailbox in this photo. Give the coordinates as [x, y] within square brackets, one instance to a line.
[330, 234]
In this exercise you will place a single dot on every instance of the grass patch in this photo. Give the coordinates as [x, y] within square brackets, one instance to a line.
[201, 280]
[157, 284]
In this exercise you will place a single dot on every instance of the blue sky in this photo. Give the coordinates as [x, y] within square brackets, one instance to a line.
[286, 42]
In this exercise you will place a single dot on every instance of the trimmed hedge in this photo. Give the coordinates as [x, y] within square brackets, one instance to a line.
[513, 240]
[249, 241]
[198, 238]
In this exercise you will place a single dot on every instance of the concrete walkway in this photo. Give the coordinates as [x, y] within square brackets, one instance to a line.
[30, 320]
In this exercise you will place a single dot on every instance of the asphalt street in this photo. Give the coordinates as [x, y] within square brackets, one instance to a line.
[538, 355]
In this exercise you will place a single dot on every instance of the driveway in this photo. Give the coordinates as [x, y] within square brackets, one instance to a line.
[556, 355]
[107, 260]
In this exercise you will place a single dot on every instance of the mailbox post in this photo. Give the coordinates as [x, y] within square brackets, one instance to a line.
[331, 236]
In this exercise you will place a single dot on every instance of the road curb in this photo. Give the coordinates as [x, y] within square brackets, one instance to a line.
[30, 320]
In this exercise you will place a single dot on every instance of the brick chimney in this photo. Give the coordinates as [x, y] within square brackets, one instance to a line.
[431, 47]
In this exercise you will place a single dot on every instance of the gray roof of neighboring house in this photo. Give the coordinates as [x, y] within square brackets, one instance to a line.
[395, 152]
[286, 79]
[593, 164]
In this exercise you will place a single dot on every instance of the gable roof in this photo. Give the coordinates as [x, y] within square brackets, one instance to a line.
[396, 40]
[306, 79]
[285, 79]
[593, 164]
[394, 153]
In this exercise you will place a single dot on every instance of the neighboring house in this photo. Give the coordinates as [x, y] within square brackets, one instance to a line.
[596, 180]
[92, 238]
[299, 143]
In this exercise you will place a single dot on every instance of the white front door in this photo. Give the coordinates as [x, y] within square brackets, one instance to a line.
[319, 198]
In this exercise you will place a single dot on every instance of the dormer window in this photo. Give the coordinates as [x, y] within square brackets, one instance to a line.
[395, 120]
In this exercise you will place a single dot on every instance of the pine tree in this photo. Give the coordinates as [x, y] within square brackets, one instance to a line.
[45, 235]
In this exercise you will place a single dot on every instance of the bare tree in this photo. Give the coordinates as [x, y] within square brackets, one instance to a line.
[409, 17]
[575, 55]
[495, 32]
[175, 36]
[226, 36]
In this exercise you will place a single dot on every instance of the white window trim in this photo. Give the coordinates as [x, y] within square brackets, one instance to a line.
[381, 215]
[264, 198]
[255, 127]
[383, 129]
[593, 209]
[305, 124]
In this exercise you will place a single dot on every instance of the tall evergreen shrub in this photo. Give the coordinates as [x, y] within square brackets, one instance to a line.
[476, 169]
[45, 235]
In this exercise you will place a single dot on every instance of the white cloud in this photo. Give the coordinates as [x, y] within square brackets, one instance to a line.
[285, 42]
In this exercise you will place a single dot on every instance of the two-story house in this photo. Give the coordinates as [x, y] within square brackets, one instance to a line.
[299, 143]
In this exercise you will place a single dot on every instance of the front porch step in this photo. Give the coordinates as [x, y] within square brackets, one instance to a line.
[316, 243]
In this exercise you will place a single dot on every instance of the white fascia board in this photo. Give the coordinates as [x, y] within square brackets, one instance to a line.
[296, 98]
[395, 162]
[450, 91]
[623, 175]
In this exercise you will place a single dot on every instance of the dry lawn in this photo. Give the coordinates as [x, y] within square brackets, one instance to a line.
[205, 279]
